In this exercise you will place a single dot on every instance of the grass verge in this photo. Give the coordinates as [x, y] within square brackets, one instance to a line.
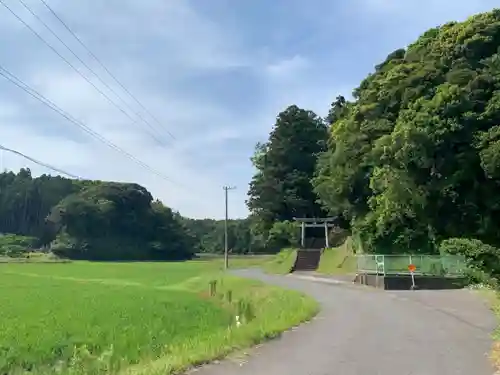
[338, 260]
[237, 261]
[281, 263]
[134, 318]
[493, 299]
[264, 312]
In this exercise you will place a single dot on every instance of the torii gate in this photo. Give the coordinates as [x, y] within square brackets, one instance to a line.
[325, 222]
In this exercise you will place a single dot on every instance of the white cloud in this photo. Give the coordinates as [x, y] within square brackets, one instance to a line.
[287, 68]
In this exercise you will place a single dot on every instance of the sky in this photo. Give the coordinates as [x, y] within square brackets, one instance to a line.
[208, 79]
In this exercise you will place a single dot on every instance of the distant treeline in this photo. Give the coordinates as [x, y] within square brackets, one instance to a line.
[209, 235]
[89, 219]
[99, 220]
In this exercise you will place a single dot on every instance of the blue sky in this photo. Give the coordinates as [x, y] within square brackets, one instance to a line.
[215, 73]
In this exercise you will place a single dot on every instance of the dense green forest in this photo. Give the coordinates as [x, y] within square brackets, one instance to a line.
[89, 219]
[414, 158]
[209, 235]
[411, 163]
[104, 221]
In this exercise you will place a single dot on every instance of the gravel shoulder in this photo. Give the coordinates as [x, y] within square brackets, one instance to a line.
[367, 331]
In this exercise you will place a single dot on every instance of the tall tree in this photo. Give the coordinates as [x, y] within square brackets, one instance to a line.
[414, 159]
[281, 189]
[337, 110]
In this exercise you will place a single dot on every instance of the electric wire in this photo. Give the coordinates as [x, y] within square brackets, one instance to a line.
[36, 95]
[29, 9]
[41, 163]
[89, 51]
[111, 101]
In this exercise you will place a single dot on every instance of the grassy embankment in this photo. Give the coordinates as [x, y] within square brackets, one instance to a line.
[334, 261]
[281, 263]
[236, 261]
[134, 318]
[338, 260]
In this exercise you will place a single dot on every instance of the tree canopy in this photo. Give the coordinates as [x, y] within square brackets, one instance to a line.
[208, 235]
[100, 220]
[93, 220]
[414, 158]
[281, 189]
[411, 161]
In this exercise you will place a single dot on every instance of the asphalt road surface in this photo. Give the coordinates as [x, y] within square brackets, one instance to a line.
[363, 331]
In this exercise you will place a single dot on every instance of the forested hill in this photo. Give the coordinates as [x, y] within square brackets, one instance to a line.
[414, 159]
[411, 163]
[102, 221]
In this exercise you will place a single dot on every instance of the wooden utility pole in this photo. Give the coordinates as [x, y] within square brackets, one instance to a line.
[226, 251]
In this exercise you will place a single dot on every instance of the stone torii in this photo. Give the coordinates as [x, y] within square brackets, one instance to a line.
[325, 222]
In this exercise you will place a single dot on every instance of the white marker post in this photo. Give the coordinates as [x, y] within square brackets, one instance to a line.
[412, 268]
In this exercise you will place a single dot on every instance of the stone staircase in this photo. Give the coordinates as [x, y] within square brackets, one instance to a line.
[307, 260]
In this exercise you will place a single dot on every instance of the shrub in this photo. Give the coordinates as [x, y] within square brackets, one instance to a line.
[283, 234]
[15, 246]
[483, 259]
[282, 263]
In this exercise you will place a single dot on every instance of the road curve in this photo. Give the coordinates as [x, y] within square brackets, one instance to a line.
[365, 331]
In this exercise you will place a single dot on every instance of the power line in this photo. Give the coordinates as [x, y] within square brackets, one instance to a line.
[35, 94]
[111, 101]
[48, 166]
[85, 64]
[104, 66]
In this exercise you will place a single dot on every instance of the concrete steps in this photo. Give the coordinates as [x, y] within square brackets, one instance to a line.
[307, 260]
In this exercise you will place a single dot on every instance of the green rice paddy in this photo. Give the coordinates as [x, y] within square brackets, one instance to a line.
[134, 318]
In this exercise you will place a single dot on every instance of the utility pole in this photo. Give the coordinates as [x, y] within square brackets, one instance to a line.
[226, 252]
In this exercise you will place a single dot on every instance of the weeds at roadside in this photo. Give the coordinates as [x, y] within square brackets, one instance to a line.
[492, 297]
[282, 263]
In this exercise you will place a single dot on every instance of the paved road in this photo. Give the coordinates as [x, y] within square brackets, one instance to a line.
[363, 331]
